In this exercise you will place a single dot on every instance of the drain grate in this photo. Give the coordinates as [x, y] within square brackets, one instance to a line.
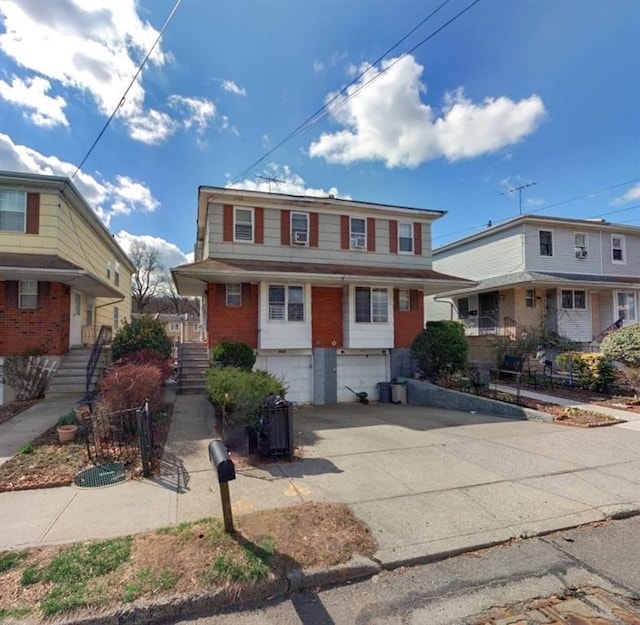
[104, 475]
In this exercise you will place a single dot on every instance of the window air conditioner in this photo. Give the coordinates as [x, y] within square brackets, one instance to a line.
[300, 237]
[581, 253]
[358, 244]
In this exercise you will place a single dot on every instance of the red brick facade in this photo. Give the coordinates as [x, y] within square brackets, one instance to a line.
[45, 328]
[407, 323]
[326, 317]
[233, 324]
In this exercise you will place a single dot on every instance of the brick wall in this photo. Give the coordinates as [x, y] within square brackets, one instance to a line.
[326, 317]
[45, 328]
[407, 323]
[232, 324]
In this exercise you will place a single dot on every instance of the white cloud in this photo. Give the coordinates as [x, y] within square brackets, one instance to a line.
[198, 111]
[631, 195]
[107, 198]
[318, 66]
[31, 94]
[152, 127]
[285, 182]
[389, 122]
[229, 85]
[170, 254]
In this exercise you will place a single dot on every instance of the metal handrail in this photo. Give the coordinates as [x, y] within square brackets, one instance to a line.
[104, 337]
[180, 360]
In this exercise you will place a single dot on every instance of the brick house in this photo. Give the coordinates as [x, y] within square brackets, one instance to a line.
[329, 292]
[62, 275]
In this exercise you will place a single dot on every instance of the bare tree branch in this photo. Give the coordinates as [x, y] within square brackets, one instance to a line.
[148, 274]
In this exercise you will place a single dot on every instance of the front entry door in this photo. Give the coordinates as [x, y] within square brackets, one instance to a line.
[75, 330]
[488, 312]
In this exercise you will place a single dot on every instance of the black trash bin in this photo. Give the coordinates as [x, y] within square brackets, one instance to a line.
[275, 432]
[384, 392]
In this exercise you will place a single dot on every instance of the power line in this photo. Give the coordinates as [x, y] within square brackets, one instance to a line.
[124, 95]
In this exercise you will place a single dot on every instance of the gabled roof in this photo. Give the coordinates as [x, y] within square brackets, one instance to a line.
[51, 268]
[190, 279]
[543, 221]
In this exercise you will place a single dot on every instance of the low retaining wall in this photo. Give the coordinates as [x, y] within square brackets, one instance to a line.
[427, 394]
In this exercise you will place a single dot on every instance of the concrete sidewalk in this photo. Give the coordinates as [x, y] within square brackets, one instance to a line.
[428, 482]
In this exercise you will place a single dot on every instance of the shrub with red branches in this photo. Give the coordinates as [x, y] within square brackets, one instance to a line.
[148, 357]
[127, 385]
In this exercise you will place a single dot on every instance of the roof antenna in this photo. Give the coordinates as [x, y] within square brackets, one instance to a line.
[519, 190]
[270, 179]
[489, 223]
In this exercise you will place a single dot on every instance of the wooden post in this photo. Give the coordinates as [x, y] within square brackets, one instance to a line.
[226, 507]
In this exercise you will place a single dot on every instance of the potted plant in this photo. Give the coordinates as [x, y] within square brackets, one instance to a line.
[67, 427]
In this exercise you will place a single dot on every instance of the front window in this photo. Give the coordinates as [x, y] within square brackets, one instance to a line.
[358, 233]
[371, 305]
[546, 243]
[463, 308]
[617, 249]
[243, 224]
[405, 238]
[286, 303]
[530, 298]
[404, 299]
[626, 306]
[28, 294]
[13, 211]
[174, 327]
[108, 270]
[299, 228]
[234, 295]
[574, 299]
[580, 245]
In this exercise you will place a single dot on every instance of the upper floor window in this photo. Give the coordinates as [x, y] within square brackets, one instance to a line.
[13, 211]
[372, 305]
[116, 273]
[243, 224]
[300, 228]
[580, 244]
[174, 327]
[530, 298]
[463, 308]
[234, 295]
[618, 253]
[286, 303]
[626, 305]
[546, 243]
[108, 270]
[358, 233]
[574, 299]
[405, 238]
[404, 299]
[28, 294]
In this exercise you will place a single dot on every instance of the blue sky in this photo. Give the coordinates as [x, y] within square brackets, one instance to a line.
[510, 93]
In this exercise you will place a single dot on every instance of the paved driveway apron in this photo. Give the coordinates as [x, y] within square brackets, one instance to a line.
[430, 482]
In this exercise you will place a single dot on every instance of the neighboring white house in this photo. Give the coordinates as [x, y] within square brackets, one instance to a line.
[577, 278]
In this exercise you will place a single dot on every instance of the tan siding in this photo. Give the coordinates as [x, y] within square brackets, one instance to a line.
[42, 243]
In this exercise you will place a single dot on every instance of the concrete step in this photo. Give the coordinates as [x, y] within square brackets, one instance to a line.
[65, 388]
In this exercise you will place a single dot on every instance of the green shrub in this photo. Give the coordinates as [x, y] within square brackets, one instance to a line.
[141, 333]
[68, 419]
[623, 345]
[593, 371]
[441, 345]
[234, 355]
[240, 394]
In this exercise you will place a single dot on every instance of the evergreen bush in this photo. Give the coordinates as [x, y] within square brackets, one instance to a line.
[141, 333]
[239, 355]
[623, 345]
[441, 345]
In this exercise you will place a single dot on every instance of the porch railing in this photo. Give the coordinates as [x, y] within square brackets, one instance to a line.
[104, 337]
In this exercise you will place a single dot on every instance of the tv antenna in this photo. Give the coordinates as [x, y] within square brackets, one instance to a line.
[519, 190]
[270, 179]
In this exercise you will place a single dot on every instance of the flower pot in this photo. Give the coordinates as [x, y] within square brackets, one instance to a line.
[83, 412]
[67, 433]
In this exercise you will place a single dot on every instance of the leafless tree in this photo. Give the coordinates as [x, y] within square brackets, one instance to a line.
[180, 304]
[148, 274]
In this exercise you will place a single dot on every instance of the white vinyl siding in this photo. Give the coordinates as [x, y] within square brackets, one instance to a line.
[243, 224]
[285, 316]
[405, 238]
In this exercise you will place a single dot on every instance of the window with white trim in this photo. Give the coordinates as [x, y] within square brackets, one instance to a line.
[405, 238]
[358, 233]
[404, 299]
[233, 297]
[286, 303]
[618, 252]
[174, 327]
[371, 305]
[28, 294]
[116, 319]
[530, 298]
[580, 244]
[574, 299]
[463, 308]
[108, 270]
[89, 311]
[243, 224]
[13, 211]
[300, 228]
[546, 243]
[626, 305]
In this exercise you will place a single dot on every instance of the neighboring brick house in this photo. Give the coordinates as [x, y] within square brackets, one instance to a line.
[329, 292]
[62, 275]
[578, 278]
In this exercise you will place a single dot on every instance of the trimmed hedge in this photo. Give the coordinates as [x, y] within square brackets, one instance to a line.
[141, 333]
[623, 345]
[239, 355]
[441, 345]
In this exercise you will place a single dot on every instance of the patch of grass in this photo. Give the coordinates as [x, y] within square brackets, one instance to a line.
[250, 565]
[73, 595]
[150, 582]
[9, 559]
[13, 613]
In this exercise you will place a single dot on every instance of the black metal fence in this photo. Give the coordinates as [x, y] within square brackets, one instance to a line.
[121, 436]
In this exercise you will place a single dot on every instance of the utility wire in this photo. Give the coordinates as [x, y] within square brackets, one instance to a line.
[326, 109]
[124, 95]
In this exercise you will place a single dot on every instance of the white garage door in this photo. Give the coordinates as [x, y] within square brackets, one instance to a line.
[361, 372]
[295, 370]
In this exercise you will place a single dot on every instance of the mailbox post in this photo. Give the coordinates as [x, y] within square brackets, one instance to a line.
[226, 471]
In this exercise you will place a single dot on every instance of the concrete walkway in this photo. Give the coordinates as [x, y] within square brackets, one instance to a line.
[427, 481]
